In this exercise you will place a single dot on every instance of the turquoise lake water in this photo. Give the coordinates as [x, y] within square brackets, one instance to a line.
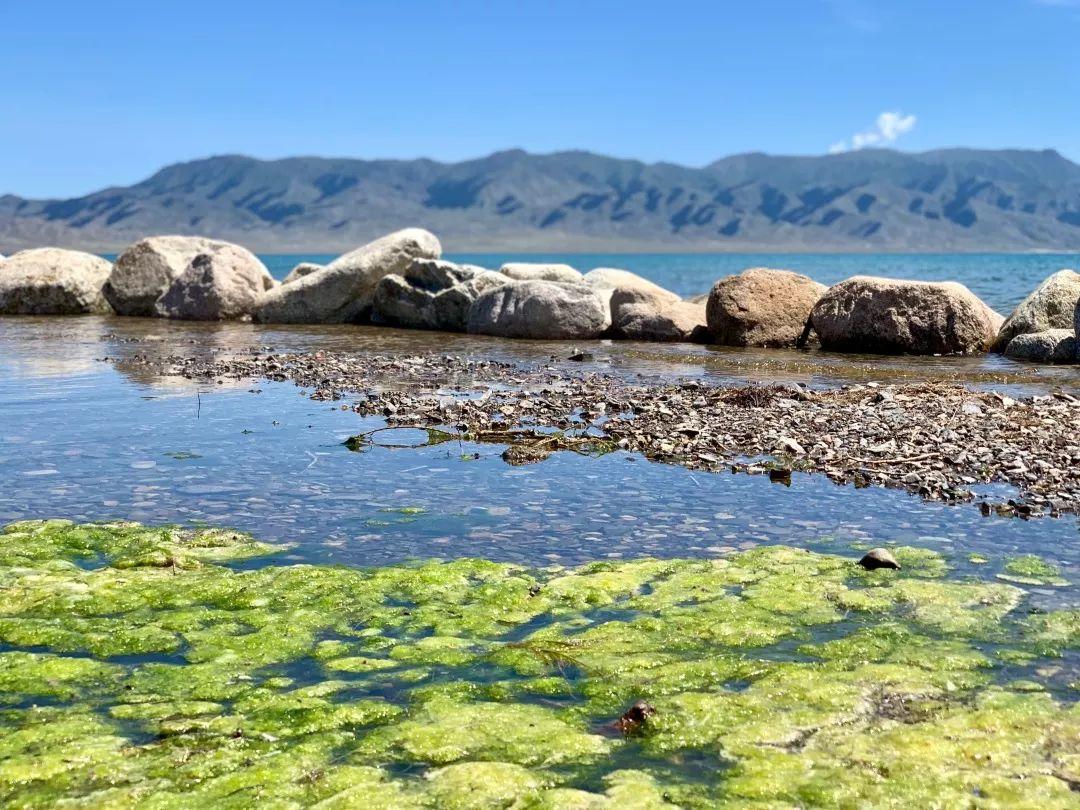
[1000, 279]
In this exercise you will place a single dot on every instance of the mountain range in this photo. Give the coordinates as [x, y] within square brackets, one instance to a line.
[945, 200]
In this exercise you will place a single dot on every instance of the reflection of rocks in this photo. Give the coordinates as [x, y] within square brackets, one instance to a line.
[53, 347]
[1051, 346]
[217, 286]
[144, 271]
[52, 281]
[1049, 306]
[342, 291]
[889, 316]
[432, 294]
[761, 307]
[539, 310]
[527, 271]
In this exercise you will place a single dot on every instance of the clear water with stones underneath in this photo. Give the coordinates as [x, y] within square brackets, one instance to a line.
[82, 439]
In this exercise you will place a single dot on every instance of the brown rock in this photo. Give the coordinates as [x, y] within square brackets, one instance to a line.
[890, 316]
[761, 307]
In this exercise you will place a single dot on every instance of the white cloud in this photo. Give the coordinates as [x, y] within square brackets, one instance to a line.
[887, 128]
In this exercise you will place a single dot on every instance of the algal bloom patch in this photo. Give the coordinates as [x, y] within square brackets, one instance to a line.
[142, 667]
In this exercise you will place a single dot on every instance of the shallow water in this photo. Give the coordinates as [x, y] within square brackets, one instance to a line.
[1000, 279]
[80, 439]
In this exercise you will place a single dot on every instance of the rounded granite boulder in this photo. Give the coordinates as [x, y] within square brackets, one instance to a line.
[53, 281]
[540, 310]
[891, 316]
[761, 307]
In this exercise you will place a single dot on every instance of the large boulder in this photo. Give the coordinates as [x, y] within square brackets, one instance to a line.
[606, 281]
[221, 285]
[1076, 328]
[890, 316]
[761, 307]
[301, 270]
[52, 281]
[144, 271]
[539, 309]
[1051, 346]
[432, 294]
[645, 315]
[1049, 306]
[342, 291]
[611, 278]
[528, 271]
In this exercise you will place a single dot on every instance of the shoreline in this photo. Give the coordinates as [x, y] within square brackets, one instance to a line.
[942, 442]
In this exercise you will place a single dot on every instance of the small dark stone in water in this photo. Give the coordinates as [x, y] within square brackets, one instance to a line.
[780, 477]
[634, 719]
[581, 357]
[878, 558]
[985, 508]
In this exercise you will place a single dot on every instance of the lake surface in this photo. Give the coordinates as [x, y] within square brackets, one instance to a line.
[82, 439]
[1000, 279]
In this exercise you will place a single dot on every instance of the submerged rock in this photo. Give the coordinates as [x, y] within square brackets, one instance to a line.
[528, 271]
[145, 270]
[890, 316]
[52, 281]
[342, 291]
[879, 558]
[224, 284]
[1051, 346]
[432, 294]
[301, 270]
[761, 307]
[635, 718]
[1049, 306]
[543, 310]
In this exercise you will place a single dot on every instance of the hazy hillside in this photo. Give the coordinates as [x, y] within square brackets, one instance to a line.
[957, 199]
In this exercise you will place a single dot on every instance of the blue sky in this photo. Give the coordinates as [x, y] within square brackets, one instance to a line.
[100, 93]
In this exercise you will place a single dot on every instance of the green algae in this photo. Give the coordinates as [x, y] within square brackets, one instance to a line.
[139, 669]
[1029, 569]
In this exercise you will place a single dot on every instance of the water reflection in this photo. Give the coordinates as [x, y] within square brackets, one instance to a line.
[49, 347]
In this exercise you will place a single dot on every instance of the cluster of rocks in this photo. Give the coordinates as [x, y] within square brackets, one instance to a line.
[400, 279]
[940, 441]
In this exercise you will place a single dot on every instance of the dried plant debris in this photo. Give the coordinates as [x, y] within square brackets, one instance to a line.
[940, 440]
[776, 677]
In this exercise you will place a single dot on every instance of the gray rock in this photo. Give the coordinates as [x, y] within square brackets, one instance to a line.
[1076, 328]
[889, 316]
[342, 292]
[641, 314]
[1049, 306]
[761, 307]
[301, 270]
[606, 281]
[432, 294]
[528, 271]
[144, 271]
[52, 281]
[541, 310]
[1051, 346]
[224, 284]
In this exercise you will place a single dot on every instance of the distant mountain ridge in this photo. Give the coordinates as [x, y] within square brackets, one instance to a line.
[952, 199]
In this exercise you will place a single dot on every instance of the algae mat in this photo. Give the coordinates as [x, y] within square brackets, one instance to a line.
[170, 668]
